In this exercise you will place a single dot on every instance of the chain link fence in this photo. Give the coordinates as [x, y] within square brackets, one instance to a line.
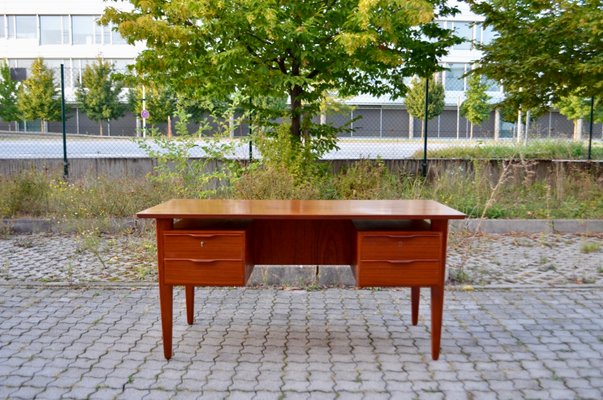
[385, 133]
[372, 131]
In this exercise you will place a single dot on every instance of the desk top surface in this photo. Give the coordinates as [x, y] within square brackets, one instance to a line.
[302, 209]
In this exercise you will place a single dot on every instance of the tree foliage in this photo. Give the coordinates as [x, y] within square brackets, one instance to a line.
[160, 101]
[545, 50]
[99, 93]
[576, 107]
[8, 95]
[476, 107]
[300, 49]
[38, 98]
[415, 99]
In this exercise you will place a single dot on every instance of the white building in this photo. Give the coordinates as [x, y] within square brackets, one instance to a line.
[65, 32]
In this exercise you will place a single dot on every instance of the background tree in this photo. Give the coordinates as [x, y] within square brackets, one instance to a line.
[99, 93]
[8, 95]
[160, 101]
[415, 100]
[577, 109]
[476, 107]
[302, 49]
[38, 97]
[545, 50]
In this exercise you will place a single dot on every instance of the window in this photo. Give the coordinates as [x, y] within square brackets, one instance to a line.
[2, 27]
[116, 37]
[464, 30]
[83, 29]
[488, 35]
[51, 30]
[454, 80]
[25, 27]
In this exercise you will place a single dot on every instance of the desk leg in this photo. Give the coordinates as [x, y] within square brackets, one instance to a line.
[190, 303]
[415, 296]
[166, 299]
[166, 292]
[437, 306]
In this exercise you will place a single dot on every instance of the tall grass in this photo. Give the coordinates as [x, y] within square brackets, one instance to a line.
[483, 191]
[539, 149]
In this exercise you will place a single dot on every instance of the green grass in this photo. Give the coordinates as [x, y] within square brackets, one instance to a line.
[590, 247]
[540, 149]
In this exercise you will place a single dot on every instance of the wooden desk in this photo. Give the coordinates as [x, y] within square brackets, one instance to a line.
[217, 243]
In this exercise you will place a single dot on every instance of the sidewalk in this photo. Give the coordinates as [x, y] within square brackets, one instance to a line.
[79, 318]
[271, 344]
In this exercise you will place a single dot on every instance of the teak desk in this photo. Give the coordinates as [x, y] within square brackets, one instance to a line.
[217, 243]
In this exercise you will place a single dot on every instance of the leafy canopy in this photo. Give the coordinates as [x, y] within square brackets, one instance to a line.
[8, 95]
[272, 48]
[545, 49]
[99, 92]
[38, 97]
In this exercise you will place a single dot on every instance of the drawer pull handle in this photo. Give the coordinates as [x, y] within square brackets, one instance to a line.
[406, 236]
[405, 261]
[198, 261]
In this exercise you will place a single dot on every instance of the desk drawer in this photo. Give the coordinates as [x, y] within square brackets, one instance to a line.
[399, 245]
[205, 272]
[398, 273]
[205, 245]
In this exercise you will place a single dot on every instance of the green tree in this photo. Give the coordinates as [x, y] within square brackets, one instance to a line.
[9, 111]
[301, 49]
[160, 101]
[99, 93]
[38, 97]
[577, 109]
[476, 107]
[415, 100]
[544, 50]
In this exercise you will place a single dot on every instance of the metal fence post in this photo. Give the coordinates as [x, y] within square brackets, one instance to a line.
[590, 130]
[63, 121]
[424, 164]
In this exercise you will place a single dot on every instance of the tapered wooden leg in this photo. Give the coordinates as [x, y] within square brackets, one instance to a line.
[415, 296]
[437, 306]
[166, 300]
[190, 303]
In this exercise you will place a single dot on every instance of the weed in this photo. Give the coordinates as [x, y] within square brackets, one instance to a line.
[458, 275]
[25, 242]
[590, 247]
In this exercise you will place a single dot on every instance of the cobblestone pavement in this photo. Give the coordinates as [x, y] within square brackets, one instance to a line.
[486, 259]
[247, 343]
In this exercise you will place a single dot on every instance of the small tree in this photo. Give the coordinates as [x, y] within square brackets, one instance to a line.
[99, 93]
[9, 111]
[476, 107]
[37, 98]
[577, 108]
[415, 100]
[160, 101]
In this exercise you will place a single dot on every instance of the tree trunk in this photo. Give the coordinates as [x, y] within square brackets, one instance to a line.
[411, 125]
[100, 128]
[471, 131]
[296, 106]
[496, 125]
[169, 126]
[578, 129]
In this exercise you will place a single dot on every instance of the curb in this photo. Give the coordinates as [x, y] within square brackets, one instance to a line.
[501, 226]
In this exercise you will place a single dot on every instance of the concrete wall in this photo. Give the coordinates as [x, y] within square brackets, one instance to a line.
[139, 167]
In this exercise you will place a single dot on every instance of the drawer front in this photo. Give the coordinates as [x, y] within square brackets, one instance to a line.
[205, 245]
[204, 272]
[400, 273]
[399, 246]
